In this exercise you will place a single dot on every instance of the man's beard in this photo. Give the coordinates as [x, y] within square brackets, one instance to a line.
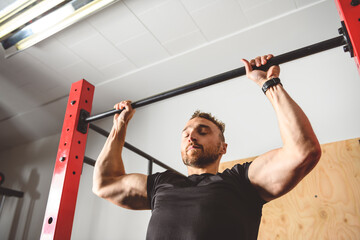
[202, 159]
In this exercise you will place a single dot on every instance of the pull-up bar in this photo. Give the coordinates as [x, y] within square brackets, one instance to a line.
[283, 58]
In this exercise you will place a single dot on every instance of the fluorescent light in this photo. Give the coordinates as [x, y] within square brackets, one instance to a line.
[14, 9]
[51, 19]
[27, 16]
[56, 23]
[23, 33]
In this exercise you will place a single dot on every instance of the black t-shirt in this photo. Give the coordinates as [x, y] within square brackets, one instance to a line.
[207, 206]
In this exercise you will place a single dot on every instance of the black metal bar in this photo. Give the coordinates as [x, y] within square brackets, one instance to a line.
[2, 201]
[283, 58]
[11, 193]
[89, 161]
[150, 167]
[134, 149]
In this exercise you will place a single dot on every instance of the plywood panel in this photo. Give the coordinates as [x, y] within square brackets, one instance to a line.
[325, 205]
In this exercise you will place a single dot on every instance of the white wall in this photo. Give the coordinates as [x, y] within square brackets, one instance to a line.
[325, 85]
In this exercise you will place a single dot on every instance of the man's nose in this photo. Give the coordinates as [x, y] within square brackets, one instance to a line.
[192, 137]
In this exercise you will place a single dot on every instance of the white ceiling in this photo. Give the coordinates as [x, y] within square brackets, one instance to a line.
[124, 51]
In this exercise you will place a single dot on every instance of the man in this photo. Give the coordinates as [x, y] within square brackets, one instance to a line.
[208, 204]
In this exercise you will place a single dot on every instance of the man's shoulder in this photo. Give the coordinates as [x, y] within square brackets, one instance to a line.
[239, 174]
[240, 169]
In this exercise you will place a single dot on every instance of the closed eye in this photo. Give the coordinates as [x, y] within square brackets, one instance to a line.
[203, 130]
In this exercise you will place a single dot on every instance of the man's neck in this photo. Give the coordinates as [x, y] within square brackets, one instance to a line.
[213, 169]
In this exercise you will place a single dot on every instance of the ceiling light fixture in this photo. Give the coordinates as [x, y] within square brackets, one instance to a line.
[18, 20]
[31, 26]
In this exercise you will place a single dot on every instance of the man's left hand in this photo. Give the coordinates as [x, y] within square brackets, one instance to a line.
[259, 76]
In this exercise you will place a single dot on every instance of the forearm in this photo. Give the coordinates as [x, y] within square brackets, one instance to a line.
[109, 164]
[295, 129]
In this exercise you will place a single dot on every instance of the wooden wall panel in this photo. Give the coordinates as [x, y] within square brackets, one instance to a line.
[325, 205]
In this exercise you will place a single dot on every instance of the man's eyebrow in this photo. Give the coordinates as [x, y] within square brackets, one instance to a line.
[204, 126]
[198, 126]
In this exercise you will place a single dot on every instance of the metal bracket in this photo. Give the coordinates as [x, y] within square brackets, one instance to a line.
[82, 125]
[348, 47]
[349, 15]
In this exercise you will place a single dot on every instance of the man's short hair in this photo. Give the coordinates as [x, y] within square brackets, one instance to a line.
[211, 118]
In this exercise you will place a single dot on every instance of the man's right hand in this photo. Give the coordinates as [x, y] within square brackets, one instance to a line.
[124, 117]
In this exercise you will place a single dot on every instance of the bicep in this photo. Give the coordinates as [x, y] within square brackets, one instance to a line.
[275, 173]
[128, 191]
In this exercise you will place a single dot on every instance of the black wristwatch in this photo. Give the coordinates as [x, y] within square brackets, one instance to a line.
[270, 83]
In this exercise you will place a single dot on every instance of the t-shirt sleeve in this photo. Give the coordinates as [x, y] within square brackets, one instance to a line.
[241, 171]
[151, 183]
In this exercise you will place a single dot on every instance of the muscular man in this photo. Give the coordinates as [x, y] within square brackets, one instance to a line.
[208, 204]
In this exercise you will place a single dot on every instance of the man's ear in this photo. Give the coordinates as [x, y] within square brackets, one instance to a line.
[223, 148]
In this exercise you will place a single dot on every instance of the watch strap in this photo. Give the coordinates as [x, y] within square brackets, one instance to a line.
[270, 83]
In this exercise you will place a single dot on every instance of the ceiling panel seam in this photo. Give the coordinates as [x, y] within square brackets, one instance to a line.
[111, 43]
[57, 70]
[193, 20]
[152, 34]
[84, 60]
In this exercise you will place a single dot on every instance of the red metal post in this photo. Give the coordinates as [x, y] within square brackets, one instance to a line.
[64, 187]
[349, 11]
